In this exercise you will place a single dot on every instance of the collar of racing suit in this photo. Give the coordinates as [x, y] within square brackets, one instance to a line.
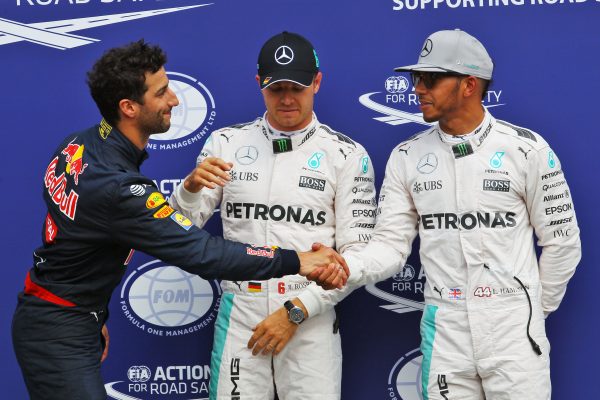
[471, 141]
[124, 152]
[298, 137]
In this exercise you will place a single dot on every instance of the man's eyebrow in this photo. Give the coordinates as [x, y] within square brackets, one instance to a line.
[163, 88]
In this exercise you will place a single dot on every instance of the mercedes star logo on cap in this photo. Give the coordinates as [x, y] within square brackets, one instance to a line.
[284, 55]
[427, 48]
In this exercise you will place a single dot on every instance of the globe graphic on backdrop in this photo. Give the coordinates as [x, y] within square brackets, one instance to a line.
[408, 381]
[189, 115]
[169, 296]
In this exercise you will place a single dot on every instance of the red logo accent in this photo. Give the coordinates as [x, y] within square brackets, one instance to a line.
[129, 257]
[51, 229]
[261, 252]
[57, 189]
[74, 159]
[281, 287]
[39, 292]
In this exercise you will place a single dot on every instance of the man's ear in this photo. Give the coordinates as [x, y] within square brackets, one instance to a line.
[472, 86]
[317, 82]
[257, 80]
[128, 108]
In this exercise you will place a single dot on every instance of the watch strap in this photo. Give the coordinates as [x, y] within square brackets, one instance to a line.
[288, 305]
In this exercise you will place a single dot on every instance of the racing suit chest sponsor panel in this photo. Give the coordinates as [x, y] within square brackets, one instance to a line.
[266, 194]
[457, 208]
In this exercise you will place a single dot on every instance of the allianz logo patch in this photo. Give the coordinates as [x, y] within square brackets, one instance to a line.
[312, 183]
[496, 185]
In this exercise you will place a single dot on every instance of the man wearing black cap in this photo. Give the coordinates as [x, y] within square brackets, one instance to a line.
[475, 189]
[287, 180]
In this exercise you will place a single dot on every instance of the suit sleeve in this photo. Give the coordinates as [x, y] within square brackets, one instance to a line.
[395, 230]
[552, 216]
[355, 209]
[148, 223]
[200, 206]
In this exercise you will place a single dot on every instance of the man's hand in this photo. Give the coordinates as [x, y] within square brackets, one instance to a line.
[274, 332]
[106, 342]
[324, 266]
[212, 171]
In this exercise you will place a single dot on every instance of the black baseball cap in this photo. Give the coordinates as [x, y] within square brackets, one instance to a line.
[289, 57]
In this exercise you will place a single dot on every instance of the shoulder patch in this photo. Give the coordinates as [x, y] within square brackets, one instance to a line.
[407, 144]
[225, 136]
[182, 220]
[340, 137]
[238, 126]
[164, 212]
[242, 125]
[138, 190]
[104, 129]
[522, 132]
[154, 200]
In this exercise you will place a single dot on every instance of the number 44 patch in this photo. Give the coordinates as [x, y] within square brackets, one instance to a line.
[483, 291]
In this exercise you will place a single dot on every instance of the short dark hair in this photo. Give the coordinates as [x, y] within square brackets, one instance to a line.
[120, 74]
[485, 84]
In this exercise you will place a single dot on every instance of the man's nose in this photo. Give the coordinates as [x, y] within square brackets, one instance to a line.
[286, 97]
[420, 88]
[173, 101]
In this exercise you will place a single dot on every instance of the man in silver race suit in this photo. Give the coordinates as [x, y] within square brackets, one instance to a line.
[476, 190]
[293, 181]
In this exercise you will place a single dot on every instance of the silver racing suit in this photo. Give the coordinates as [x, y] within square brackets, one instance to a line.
[476, 206]
[315, 186]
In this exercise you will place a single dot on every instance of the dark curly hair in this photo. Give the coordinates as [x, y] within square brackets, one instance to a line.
[120, 74]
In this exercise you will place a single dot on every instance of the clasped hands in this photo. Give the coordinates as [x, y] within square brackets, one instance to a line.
[322, 264]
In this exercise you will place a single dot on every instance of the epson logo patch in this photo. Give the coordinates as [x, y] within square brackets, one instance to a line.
[559, 209]
[312, 183]
[496, 185]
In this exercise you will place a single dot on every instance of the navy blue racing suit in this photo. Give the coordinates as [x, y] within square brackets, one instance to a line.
[100, 208]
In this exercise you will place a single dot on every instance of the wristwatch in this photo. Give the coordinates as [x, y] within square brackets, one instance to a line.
[295, 313]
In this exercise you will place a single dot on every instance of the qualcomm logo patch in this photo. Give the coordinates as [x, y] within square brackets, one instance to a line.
[403, 292]
[57, 34]
[169, 382]
[192, 119]
[164, 300]
[404, 381]
[399, 104]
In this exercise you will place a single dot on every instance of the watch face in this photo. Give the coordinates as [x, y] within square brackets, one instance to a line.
[296, 315]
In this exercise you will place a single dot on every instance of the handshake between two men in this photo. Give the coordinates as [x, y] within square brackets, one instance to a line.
[324, 266]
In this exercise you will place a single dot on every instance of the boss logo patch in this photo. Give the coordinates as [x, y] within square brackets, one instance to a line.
[312, 183]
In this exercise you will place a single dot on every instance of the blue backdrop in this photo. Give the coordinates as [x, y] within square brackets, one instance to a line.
[546, 54]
